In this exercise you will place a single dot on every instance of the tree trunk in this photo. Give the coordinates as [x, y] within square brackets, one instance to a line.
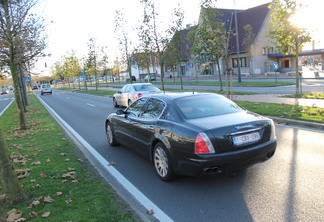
[297, 74]
[8, 176]
[219, 76]
[162, 75]
[18, 94]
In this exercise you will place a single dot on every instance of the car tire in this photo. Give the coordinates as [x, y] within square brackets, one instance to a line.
[115, 102]
[110, 135]
[162, 162]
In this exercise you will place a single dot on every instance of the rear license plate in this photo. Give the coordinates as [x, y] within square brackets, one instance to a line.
[246, 138]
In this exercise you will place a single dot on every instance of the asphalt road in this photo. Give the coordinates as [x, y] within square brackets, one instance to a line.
[5, 100]
[288, 187]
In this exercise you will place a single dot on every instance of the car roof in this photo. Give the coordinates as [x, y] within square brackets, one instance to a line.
[139, 84]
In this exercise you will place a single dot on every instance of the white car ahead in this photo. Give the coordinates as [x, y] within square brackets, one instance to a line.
[130, 92]
[46, 89]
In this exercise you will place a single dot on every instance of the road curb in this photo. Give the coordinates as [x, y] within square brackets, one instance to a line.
[313, 125]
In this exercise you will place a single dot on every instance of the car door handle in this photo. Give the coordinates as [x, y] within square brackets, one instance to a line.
[151, 127]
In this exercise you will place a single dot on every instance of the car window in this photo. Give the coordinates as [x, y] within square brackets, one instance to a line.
[46, 86]
[153, 109]
[135, 108]
[123, 89]
[127, 89]
[205, 106]
[145, 87]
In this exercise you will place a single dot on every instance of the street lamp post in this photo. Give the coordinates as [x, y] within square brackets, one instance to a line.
[237, 46]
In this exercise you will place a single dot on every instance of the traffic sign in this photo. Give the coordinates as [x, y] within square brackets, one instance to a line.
[275, 66]
[83, 75]
[27, 79]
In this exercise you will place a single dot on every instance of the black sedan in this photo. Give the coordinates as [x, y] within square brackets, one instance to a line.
[192, 134]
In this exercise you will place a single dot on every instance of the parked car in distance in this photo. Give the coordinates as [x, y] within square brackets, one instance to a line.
[4, 91]
[35, 87]
[130, 92]
[46, 89]
[133, 79]
[152, 78]
[192, 134]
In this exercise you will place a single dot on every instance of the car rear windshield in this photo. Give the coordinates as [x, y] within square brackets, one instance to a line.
[146, 87]
[46, 86]
[206, 105]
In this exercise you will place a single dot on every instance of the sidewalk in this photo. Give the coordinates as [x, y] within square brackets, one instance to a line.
[275, 98]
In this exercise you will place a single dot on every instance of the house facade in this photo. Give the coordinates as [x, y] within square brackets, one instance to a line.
[253, 51]
[257, 57]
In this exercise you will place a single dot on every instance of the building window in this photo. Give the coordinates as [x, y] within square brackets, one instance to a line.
[270, 50]
[243, 62]
[264, 50]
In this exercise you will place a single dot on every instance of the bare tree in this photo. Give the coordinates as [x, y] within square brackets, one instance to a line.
[124, 43]
[152, 37]
[22, 40]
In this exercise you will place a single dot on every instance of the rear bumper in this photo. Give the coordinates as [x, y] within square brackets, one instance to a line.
[223, 162]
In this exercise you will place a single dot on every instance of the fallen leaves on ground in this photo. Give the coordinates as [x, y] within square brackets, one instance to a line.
[58, 193]
[13, 215]
[48, 199]
[36, 163]
[36, 186]
[22, 173]
[33, 214]
[46, 214]
[69, 200]
[35, 203]
[42, 175]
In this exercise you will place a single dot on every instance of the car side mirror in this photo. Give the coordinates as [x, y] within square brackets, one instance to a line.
[120, 112]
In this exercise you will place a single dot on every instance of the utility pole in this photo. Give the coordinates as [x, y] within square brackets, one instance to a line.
[237, 46]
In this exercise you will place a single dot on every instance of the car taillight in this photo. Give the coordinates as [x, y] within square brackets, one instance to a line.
[138, 95]
[203, 144]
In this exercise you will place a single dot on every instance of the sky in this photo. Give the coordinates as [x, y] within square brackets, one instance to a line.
[71, 23]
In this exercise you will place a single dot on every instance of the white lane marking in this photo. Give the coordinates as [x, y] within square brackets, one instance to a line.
[89, 104]
[138, 195]
[6, 107]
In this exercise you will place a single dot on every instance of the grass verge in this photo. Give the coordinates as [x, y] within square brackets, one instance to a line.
[304, 113]
[307, 96]
[57, 179]
[243, 83]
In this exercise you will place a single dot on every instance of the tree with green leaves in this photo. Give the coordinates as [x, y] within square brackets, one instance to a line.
[210, 38]
[152, 36]
[91, 60]
[248, 39]
[71, 66]
[104, 65]
[57, 71]
[286, 36]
